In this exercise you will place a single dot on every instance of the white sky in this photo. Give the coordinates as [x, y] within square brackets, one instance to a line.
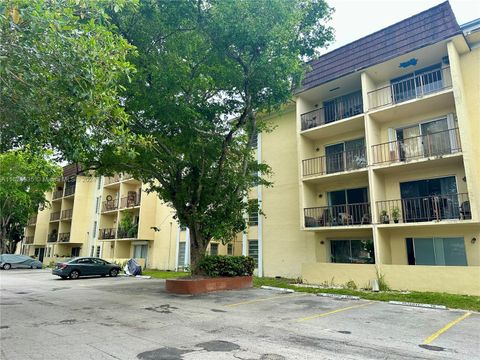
[354, 19]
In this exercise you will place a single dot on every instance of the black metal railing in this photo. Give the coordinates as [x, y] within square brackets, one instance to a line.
[333, 110]
[67, 214]
[52, 238]
[112, 179]
[435, 144]
[69, 190]
[411, 88]
[64, 237]
[110, 205]
[57, 194]
[107, 234]
[54, 216]
[338, 215]
[333, 163]
[424, 208]
[130, 201]
[127, 234]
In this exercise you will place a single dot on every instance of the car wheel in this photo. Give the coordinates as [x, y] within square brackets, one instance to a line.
[74, 274]
[113, 272]
[7, 266]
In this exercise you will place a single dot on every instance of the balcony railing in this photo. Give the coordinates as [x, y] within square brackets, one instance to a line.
[54, 216]
[423, 146]
[67, 214]
[110, 205]
[107, 234]
[337, 109]
[57, 194]
[124, 234]
[29, 239]
[411, 88]
[127, 176]
[112, 179]
[64, 237]
[52, 238]
[128, 202]
[69, 190]
[425, 208]
[32, 221]
[333, 163]
[338, 215]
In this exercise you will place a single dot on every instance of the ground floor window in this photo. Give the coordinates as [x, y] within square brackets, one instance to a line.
[98, 252]
[75, 251]
[443, 251]
[229, 249]
[181, 254]
[352, 251]
[253, 250]
[213, 249]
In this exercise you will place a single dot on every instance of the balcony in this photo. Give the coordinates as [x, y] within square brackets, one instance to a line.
[29, 239]
[105, 234]
[64, 237]
[112, 179]
[69, 190]
[55, 216]
[58, 194]
[338, 215]
[412, 87]
[436, 144]
[333, 163]
[110, 205]
[52, 238]
[337, 109]
[127, 234]
[130, 201]
[425, 208]
[67, 214]
[32, 221]
[127, 176]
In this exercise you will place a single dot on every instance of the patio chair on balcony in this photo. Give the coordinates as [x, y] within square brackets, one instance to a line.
[345, 219]
[366, 219]
[465, 211]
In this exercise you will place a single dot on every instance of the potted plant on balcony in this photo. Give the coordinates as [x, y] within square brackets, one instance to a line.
[395, 214]
[384, 218]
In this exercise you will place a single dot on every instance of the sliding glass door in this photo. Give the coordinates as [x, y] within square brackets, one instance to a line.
[436, 251]
[430, 199]
[348, 155]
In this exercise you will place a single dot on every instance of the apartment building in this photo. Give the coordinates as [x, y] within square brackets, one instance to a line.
[375, 172]
[376, 167]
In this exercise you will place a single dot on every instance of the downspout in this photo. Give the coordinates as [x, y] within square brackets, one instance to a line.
[177, 246]
[187, 248]
[260, 217]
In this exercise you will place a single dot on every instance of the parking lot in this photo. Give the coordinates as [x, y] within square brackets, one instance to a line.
[44, 317]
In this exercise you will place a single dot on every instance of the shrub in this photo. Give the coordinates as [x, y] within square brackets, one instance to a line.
[221, 265]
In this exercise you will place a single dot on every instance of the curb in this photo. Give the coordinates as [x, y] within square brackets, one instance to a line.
[428, 306]
[336, 296]
[277, 289]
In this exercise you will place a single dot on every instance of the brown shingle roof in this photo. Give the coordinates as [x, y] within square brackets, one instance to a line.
[428, 27]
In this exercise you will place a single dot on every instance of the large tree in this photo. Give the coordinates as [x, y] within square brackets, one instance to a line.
[60, 65]
[205, 69]
[24, 180]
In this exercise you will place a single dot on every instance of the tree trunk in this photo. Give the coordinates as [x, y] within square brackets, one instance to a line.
[198, 247]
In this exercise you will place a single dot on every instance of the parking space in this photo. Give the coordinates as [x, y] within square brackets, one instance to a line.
[129, 318]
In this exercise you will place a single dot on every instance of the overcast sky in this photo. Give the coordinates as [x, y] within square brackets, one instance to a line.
[354, 19]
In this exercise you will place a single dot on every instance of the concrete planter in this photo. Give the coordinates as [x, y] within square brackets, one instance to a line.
[204, 285]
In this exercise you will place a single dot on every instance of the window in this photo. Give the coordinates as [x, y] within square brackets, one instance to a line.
[94, 230]
[99, 182]
[229, 249]
[352, 251]
[97, 206]
[436, 251]
[181, 254]
[253, 250]
[98, 252]
[348, 155]
[49, 249]
[253, 213]
[213, 249]
[75, 251]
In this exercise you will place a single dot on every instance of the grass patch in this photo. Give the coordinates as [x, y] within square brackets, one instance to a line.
[452, 301]
[162, 274]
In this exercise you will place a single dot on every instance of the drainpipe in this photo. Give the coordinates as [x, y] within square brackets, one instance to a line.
[260, 218]
[177, 242]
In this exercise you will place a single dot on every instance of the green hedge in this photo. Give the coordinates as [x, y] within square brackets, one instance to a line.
[221, 265]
